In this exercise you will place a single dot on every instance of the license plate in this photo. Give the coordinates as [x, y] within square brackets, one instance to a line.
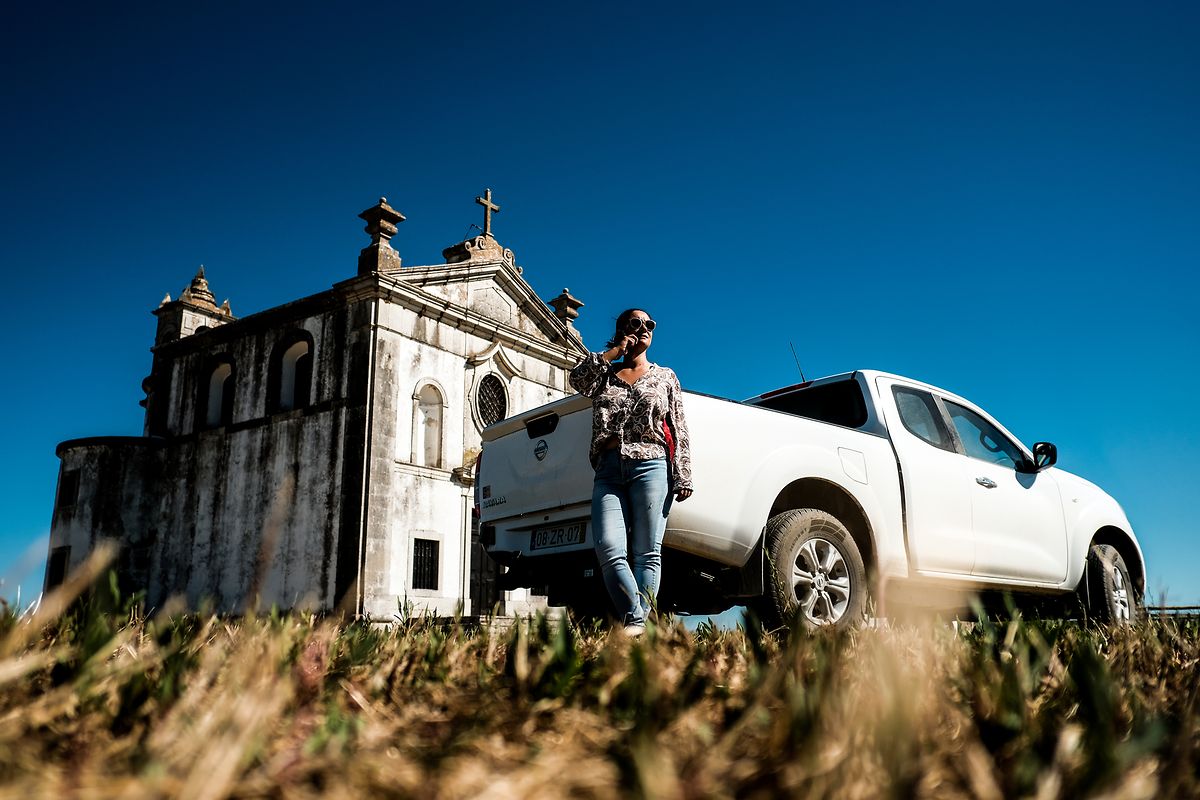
[558, 536]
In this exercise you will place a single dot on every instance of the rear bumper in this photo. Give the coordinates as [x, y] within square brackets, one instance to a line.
[509, 538]
[563, 577]
[689, 583]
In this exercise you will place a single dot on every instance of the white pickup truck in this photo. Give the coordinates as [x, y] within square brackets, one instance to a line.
[812, 498]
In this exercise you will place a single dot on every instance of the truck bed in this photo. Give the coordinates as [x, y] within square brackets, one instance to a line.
[535, 476]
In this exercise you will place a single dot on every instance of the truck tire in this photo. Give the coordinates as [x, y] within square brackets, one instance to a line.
[815, 574]
[1109, 593]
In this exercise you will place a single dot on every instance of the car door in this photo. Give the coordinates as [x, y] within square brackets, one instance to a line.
[937, 509]
[1017, 517]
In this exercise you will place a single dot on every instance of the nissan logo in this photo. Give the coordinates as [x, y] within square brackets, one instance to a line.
[540, 449]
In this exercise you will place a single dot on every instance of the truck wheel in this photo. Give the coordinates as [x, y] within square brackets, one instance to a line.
[1109, 592]
[815, 574]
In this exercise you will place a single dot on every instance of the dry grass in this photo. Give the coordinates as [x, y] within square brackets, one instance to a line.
[95, 702]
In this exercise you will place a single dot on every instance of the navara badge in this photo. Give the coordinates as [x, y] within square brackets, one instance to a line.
[540, 449]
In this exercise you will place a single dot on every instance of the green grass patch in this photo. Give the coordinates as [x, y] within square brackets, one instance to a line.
[99, 700]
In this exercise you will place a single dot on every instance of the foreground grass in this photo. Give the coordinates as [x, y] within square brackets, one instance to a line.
[100, 703]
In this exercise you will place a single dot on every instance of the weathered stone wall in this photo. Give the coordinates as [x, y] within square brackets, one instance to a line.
[254, 507]
[271, 505]
[249, 344]
[410, 500]
[102, 495]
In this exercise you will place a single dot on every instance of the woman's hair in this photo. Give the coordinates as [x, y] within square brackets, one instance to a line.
[623, 320]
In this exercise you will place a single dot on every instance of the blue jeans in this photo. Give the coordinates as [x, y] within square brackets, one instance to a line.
[630, 502]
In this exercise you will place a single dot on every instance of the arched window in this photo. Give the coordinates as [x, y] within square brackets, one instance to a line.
[427, 426]
[491, 400]
[289, 385]
[214, 406]
[295, 376]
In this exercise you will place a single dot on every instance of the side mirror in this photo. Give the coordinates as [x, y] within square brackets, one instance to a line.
[1044, 455]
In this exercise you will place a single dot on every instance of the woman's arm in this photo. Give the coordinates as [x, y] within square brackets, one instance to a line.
[682, 460]
[587, 377]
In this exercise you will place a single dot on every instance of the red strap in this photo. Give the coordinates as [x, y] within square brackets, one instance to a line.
[670, 441]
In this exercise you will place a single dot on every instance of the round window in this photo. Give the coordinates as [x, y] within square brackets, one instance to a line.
[491, 400]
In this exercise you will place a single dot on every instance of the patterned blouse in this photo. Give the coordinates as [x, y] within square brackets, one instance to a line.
[635, 414]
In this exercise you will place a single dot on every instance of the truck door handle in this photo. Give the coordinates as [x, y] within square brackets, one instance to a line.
[986, 483]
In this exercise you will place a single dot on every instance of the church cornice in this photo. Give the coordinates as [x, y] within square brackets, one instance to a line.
[266, 319]
[564, 354]
[504, 273]
[565, 351]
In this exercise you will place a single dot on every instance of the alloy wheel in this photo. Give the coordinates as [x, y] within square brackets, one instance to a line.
[1120, 594]
[821, 581]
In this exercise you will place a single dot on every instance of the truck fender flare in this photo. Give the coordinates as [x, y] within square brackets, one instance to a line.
[834, 499]
[1103, 522]
[777, 475]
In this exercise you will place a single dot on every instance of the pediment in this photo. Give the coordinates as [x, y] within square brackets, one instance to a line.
[491, 301]
[497, 291]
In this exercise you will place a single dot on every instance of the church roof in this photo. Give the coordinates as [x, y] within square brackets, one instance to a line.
[483, 260]
[480, 266]
[474, 261]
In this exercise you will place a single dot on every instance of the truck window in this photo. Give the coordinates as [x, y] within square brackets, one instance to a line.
[921, 417]
[981, 439]
[840, 403]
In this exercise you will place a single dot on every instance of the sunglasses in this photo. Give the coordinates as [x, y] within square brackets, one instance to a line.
[635, 324]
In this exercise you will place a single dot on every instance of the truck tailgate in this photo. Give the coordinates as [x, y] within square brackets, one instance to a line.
[537, 461]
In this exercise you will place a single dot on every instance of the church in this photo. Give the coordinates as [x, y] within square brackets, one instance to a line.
[319, 455]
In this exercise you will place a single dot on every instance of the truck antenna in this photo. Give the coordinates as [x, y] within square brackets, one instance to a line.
[802, 378]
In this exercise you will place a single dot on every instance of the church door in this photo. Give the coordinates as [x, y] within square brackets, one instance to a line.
[485, 576]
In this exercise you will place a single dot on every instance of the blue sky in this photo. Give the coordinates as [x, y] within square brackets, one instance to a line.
[1001, 199]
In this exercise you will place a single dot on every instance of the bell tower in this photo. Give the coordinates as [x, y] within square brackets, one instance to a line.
[196, 310]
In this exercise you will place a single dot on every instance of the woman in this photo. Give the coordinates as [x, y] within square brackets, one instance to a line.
[640, 451]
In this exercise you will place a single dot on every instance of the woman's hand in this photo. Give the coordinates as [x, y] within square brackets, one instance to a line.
[621, 348]
[683, 494]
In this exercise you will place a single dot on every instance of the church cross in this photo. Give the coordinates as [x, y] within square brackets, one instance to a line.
[488, 208]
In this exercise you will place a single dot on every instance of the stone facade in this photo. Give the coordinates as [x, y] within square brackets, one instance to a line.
[319, 454]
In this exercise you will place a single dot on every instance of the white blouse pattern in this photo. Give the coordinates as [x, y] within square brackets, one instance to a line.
[635, 414]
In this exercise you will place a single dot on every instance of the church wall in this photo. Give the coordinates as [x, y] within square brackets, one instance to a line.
[411, 500]
[407, 497]
[428, 505]
[101, 496]
[256, 509]
[257, 505]
[251, 356]
[272, 503]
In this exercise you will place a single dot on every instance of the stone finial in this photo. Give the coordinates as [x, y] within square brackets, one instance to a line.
[196, 310]
[381, 221]
[197, 292]
[566, 307]
[480, 249]
[379, 256]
